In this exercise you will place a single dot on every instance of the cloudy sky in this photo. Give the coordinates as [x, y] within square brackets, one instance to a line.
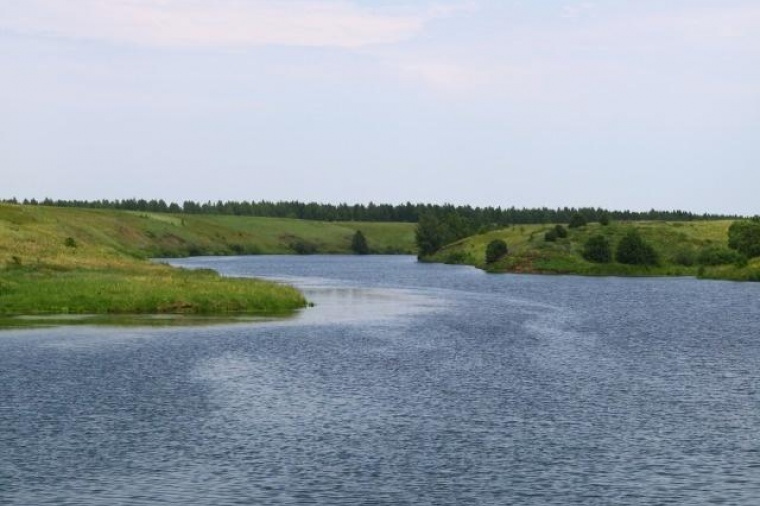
[633, 104]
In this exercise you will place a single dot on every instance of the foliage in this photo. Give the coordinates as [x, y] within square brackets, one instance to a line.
[597, 249]
[577, 220]
[359, 243]
[487, 217]
[303, 247]
[633, 250]
[604, 219]
[744, 237]
[434, 231]
[557, 232]
[718, 255]
[684, 256]
[495, 250]
[70, 242]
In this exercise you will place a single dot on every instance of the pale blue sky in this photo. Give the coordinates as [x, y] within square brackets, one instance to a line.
[633, 104]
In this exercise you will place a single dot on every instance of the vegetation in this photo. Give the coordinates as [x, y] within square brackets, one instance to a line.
[744, 237]
[88, 261]
[679, 247]
[476, 219]
[634, 250]
[597, 249]
[495, 250]
[577, 220]
[558, 232]
[359, 244]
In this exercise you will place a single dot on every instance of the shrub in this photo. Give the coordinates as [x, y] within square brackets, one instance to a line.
[597, 249]
[495, 250]
[577, 220]
[633, 250]
[303, 247]
[70, 242]
[685, 257]
[604, 220]
[744, 237]
[359, 243]
[717, 255]
[558, 232]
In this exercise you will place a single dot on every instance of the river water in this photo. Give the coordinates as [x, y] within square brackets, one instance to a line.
[405, 384]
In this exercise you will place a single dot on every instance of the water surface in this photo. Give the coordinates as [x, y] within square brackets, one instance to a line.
[406, 384]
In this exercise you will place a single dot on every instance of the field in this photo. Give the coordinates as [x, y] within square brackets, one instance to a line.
[84, 261]
[680, 246]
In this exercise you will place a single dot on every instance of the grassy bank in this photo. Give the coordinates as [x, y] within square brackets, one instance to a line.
[29, 232]
[679, 246]
[82, 261]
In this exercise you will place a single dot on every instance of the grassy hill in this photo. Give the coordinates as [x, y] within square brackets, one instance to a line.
[683, 249]
[77, 261]
[38, 231]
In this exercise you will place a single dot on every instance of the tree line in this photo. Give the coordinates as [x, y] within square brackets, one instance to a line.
[458, 219]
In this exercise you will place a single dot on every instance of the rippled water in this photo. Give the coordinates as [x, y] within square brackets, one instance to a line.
[406, 384]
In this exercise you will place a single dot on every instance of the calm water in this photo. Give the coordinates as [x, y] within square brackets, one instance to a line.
[406, 384]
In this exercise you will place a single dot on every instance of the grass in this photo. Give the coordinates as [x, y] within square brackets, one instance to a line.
[68, 261]
[674, 241]
[31, 232]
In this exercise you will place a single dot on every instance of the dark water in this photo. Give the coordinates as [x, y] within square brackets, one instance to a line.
[407, 384]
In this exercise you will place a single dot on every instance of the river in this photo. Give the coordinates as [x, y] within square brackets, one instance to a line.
[406, 383]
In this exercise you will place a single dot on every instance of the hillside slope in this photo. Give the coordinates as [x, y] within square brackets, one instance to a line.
[683, 249]
[36, 232]
[67, 261]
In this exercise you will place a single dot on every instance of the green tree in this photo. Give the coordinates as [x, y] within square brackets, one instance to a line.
[359, 243]
[428, 235]
[597, 249]
[577, 220]
[495, 250]
[744, 237]
[633, 250]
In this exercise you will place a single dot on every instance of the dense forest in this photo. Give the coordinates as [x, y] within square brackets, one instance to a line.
[467, 217]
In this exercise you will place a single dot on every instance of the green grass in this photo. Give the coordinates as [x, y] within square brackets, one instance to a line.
[32, 232]
[68, 261]
[142, 289]
[530, 253]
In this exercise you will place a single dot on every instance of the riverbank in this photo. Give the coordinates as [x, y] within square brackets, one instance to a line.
[90, 262]
[693, 248]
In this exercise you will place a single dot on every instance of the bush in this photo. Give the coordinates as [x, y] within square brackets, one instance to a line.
[359, 243]
[495, 250]
[633, 250]
[558, 232]
[577, 220]
[70, 242]
[717, 255]
[597, 249]
[303, 247]
[744, 237]
[685, 257]
[604, 220]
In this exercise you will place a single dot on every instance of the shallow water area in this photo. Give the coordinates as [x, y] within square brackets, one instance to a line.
[406, 383]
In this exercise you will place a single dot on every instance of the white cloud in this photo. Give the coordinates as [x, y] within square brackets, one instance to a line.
[337, 23]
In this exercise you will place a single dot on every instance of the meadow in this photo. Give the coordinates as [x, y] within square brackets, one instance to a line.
[683, 248]
[85, 261]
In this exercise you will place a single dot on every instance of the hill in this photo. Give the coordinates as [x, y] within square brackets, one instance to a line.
[687, 248]
[89, 261]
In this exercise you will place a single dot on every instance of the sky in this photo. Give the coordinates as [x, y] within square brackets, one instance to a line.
[634, 104]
